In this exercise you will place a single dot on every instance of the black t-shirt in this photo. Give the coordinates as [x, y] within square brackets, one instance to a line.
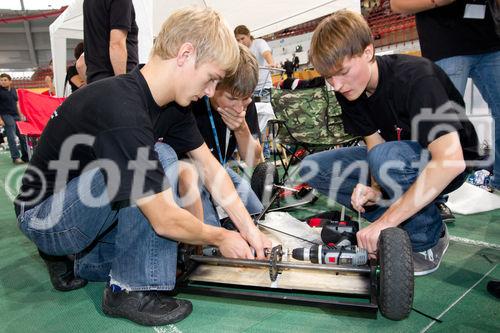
[200, 112]
[408, 87]
[116, 117]
[69, 74]
[176, 126]
[8, 101]
[99, 18]
[444, 32]
[288, 67]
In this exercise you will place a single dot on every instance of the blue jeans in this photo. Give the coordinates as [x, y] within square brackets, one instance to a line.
[245, 192]
[110, 244]
[11, 131]
[484, 70]
[394, 165]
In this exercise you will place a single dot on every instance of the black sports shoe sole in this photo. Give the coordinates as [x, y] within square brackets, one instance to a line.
[448, 220]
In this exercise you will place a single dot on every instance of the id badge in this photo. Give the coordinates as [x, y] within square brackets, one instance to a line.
[475, 10]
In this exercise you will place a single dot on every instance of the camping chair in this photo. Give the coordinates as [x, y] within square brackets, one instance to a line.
[37, 108]
[306, 119]
[309, 119]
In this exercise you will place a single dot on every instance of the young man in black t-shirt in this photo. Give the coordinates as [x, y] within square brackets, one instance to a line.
[110, 37]
[233, 115]
[100, 188]
[417, 138]
[73, 78]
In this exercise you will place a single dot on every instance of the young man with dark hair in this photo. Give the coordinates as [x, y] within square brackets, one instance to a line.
[417, 137]
[228, 121]
[102, 189]
[10, 113]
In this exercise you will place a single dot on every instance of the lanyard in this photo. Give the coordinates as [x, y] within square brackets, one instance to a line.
[214, 131]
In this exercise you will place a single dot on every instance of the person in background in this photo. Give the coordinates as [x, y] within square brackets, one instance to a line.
[110, 38]
[465, 45]
[72, 76]
[10, 113]
[49, 81]
[262, 92]
[288, 67]
[296, 62]
[262, 52]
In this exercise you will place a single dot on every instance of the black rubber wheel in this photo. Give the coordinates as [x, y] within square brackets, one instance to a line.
[264, 176]
[395, 278]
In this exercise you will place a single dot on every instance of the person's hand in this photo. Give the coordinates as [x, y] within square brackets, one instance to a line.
[363, 195]
[232, 118]
[22, 117]
[258, 241]
[368, 238]
[234, 246]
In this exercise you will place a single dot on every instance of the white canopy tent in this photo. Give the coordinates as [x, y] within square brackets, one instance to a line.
[260, 16]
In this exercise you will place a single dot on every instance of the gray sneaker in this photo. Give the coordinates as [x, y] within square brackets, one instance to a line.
[428, 261]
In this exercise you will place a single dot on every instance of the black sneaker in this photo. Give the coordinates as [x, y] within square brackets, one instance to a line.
[428, 261]
[445, 212]
[493, 288]
[149, 308]
[61, 272]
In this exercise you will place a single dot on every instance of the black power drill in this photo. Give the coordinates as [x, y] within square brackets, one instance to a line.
[337, 228]
[339, 233]
[321, 254]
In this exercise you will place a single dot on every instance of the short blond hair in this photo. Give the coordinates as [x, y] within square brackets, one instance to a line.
[344, 34]
[243, 81]
[206, 30]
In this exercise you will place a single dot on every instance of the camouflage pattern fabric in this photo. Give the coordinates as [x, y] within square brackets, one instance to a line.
[311, 116]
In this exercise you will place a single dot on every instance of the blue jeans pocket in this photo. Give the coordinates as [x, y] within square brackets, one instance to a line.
[58, 243]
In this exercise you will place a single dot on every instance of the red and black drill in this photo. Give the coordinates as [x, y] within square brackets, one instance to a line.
[338, 233]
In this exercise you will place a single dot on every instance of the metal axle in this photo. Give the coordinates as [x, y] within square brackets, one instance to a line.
[281, 265]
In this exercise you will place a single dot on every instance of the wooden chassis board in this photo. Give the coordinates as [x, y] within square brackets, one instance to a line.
[290, 279]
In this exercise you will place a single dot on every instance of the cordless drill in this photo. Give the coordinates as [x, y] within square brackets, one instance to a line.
[340, 233]
[338, 229]
[321, 254]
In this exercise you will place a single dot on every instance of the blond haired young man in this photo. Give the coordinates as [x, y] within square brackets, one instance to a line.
[98, 186]
[417, 139]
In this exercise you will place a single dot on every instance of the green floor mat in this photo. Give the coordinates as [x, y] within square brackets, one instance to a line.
[456, 292]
